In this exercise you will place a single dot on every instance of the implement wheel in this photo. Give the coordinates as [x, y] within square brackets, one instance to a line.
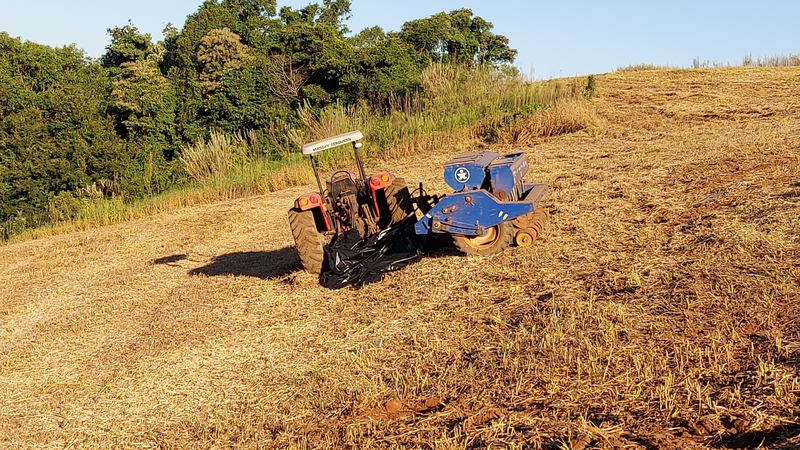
[524, 239]
[530, 226]
[310, 242]
[398, 203]
[538, 220]
[493, 241]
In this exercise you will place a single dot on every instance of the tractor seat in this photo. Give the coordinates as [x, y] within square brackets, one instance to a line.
[343, 184]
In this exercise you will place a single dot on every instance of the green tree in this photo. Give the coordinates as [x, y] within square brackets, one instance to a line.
[335, 12]
[382, 66]
[314, 41]
[127, 45]
[55, 135]
[220, 56]
[142, 102]
[458, 37]
[219, 90]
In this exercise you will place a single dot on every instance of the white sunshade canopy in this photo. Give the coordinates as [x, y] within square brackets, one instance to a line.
[319, 146]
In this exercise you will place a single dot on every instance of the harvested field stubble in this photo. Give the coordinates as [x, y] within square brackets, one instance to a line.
[659, 310]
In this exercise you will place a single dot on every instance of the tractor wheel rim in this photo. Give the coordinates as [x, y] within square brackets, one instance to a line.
[487, 239]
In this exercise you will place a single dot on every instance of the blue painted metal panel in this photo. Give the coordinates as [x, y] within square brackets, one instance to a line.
[489, 191]
[533, 192]
[506, 173]
[467, 171]
[470, 213]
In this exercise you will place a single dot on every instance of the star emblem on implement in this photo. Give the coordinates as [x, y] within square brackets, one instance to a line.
[462, 175]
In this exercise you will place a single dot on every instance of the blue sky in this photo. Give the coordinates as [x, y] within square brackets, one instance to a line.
[554, 38]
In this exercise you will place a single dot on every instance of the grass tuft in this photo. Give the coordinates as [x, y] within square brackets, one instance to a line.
[789, 60]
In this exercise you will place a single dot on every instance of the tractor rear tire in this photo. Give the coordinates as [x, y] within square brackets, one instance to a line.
[495, 240]
[398, 201]
[310, 242]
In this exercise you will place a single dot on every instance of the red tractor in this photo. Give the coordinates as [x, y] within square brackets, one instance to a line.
[348, 201]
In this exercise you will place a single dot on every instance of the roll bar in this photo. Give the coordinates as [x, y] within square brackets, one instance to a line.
[316, 147]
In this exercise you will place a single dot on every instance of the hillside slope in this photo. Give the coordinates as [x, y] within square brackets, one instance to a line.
[661, 309]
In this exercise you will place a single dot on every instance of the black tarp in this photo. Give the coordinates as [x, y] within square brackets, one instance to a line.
[352, 260]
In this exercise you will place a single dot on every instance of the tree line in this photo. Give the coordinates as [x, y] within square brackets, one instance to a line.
[73, 127]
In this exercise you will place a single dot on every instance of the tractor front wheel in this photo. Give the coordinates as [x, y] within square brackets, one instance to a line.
[310, 242]
[493, 241]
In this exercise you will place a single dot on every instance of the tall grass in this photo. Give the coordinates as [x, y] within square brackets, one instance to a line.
[748, 61]
[645, 66]
[454, 105]
[772, 61]
[259, 177]
[214, 157]
[459, 104]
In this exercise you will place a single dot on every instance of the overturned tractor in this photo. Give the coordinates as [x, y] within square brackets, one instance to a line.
[349, 200]
[489, 209]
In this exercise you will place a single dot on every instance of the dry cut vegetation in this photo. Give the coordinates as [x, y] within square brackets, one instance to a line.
[659, 311]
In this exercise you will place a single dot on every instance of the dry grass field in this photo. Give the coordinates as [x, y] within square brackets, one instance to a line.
[660, 310]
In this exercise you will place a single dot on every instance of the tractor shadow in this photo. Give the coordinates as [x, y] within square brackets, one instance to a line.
[279, 263]
[439, 246]
[263, 265]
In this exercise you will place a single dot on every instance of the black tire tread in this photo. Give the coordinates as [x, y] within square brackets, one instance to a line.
[309, 242]
[398, 200]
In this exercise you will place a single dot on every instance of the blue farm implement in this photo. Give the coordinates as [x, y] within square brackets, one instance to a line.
[490, 207]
